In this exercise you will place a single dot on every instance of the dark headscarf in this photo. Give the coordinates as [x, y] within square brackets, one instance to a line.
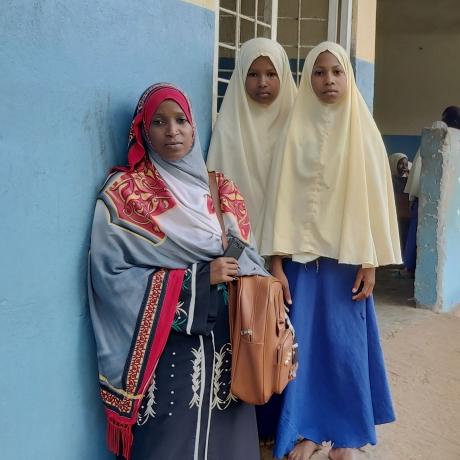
[451, 116]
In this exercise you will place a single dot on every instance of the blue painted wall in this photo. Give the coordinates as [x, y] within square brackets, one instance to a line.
[426, 275]
[438, 237]
[451, 212]
[364, 74]
[404, 144]
[71, 74]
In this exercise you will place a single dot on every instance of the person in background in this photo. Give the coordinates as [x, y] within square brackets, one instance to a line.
[400, 167]
[451, 116]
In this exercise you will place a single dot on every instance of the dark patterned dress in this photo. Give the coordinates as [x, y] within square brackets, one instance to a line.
[189, 412]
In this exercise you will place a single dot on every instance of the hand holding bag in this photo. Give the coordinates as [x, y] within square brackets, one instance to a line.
[263, 347]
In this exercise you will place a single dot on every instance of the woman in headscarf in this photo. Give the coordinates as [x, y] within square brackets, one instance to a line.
[157, 300]
[399, 167]
[333, 223]
[251, 126]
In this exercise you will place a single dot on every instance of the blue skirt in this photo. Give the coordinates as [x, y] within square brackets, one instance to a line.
[341, 390]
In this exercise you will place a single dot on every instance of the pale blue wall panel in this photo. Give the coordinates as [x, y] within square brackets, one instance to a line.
[365, 76]
[71, 73]
[451, 211]
[426, 275]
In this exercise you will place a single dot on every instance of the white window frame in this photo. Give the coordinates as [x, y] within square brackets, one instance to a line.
[344, 26]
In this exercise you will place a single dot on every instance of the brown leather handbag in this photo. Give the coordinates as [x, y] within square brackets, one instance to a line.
[263, 347]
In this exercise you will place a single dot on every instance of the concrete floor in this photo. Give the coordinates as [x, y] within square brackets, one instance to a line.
[395, 303]
[422, 352]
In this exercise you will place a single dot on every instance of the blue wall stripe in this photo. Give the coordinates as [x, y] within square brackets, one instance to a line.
[403, 144]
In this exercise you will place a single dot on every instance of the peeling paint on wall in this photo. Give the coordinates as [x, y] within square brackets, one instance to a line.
[426, 276]
[438, 237]
[450, 211]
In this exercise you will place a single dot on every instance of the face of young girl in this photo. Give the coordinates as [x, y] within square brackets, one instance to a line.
[170, 133]
[328, 78]
[262, 81]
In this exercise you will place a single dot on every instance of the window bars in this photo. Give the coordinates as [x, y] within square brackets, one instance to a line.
[300, 26]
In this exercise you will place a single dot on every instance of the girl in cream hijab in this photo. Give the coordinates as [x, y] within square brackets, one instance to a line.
[251, 126]
[333, 222]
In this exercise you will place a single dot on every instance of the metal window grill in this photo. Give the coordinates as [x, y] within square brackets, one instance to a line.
[300, 26]
[300, 19]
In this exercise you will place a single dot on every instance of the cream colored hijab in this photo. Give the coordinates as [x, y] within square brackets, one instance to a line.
[248, 135]
[335, 196]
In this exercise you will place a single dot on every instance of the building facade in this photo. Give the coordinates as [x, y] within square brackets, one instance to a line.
[71, 74]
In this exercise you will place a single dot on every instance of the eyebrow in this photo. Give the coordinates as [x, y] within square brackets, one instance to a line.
[271, 69]
[323, 66]
[335, 67]
[161, 114]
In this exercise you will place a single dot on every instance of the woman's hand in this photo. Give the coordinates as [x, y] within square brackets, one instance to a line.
[278, 272]
[366, 277]
[223, 270]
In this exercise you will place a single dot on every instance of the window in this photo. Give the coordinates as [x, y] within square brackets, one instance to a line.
[302, 24]
[298, 25]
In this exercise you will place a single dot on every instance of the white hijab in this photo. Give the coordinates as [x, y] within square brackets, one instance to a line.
[248, 135]
[394, 160]
[335, 196]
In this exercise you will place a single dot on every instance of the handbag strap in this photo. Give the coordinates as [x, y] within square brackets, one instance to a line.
[216, 202]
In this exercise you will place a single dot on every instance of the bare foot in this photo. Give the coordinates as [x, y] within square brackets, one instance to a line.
[342, 454]
[303, 450]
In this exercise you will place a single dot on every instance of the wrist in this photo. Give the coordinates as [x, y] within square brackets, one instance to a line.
[276, 262]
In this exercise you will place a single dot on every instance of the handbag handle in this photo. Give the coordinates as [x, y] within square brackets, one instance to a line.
[216, 202]
[213, 188]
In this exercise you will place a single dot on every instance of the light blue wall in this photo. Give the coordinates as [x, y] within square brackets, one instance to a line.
[438, 237]
[364, 74]
[402, 144]
[451, 211]
[426, 275]
[71, 73]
